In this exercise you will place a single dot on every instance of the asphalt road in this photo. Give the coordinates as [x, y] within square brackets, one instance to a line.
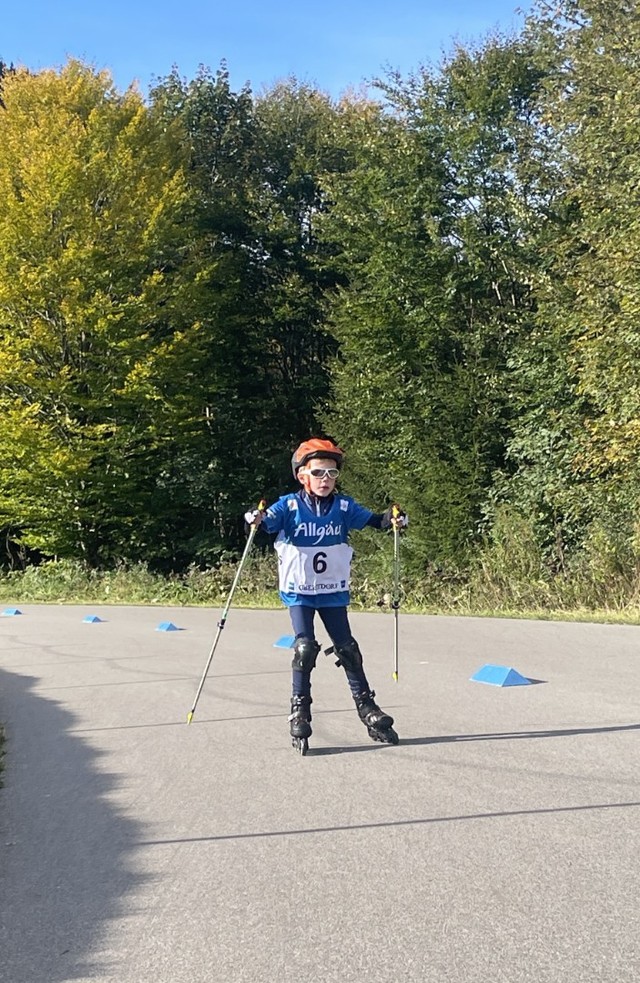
[500, 841]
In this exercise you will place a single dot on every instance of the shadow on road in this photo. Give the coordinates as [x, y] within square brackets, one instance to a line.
[199, 721]
[66, 850]
[521, 735]
[455, 738]
[429, 821]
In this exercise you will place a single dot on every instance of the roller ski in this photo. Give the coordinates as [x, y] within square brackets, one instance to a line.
[378, 723]
[300, 723]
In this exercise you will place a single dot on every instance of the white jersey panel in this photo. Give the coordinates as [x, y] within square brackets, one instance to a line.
[313, 570]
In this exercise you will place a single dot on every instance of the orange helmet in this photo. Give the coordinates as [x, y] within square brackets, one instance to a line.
[315, 447]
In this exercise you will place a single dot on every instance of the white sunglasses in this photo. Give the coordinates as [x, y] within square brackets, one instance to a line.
[322, 472]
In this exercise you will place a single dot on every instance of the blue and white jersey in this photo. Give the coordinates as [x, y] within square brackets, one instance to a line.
[314, 556]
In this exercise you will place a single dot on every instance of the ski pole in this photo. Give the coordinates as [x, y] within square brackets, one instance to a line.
[395, 601]
[254, 528]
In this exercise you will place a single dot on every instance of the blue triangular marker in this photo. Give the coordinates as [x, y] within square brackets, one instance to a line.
[500, 676]
[10, 612]
[91, 619]
[167, 626]
[284, 642]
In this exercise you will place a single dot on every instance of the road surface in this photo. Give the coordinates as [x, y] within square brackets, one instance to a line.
[500, 841]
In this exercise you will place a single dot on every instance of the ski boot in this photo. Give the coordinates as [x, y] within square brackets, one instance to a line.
[300, 723]
[378, 723]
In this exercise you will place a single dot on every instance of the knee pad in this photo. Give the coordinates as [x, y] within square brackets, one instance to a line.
[305, 653]
[349, 655]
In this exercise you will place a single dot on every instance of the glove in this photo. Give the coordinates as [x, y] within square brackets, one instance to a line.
[254, 517]
[401, 518]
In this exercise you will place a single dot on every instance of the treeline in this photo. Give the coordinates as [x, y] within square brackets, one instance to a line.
[445, 278]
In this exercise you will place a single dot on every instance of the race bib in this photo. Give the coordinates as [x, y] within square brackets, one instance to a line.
[312, 570]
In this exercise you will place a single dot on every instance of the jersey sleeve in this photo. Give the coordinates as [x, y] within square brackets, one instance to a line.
[357, 515]
[375, 521]
[274, 516]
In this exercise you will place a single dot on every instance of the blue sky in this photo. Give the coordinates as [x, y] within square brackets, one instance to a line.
[334, 44]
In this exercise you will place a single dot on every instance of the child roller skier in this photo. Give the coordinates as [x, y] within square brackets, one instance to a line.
[314, 559]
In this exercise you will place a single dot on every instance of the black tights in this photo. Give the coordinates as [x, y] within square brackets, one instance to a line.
[336, 622]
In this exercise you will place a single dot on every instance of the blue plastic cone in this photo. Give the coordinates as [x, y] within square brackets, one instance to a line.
[91, 619]
[499, 676]
[284, 642]
[10, 612]
[167, 626]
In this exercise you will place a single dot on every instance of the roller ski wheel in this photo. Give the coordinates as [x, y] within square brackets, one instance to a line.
[300, 744]
[378, 723]
[387, 736]
[300, 723]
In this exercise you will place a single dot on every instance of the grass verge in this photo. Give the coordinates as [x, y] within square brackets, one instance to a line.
[479, 593]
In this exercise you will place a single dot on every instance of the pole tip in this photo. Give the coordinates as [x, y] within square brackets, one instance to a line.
[395, 677]
[190, 716]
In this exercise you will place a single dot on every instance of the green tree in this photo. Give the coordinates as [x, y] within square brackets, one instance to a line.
[576, 444]
[91, 200]
[254, 173]
[433, 220]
